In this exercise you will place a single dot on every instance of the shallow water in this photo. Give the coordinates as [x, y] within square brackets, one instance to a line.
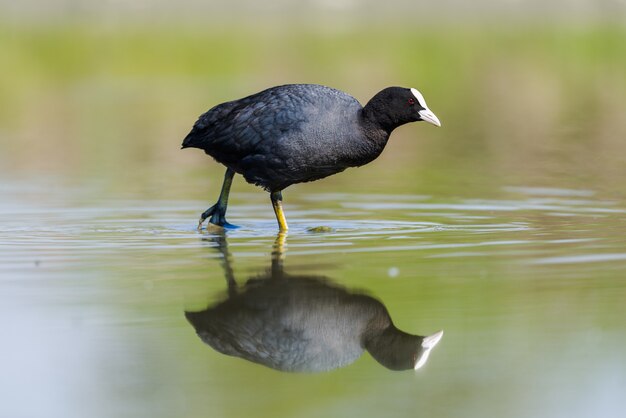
[505, 228]
[528, 287]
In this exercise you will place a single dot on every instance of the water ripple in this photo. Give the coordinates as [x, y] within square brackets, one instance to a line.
[554, 219]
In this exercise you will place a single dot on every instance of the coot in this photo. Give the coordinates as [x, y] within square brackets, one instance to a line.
[297, 133]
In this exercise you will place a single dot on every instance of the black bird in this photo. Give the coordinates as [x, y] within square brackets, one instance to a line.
[301, 323]
[297, 133]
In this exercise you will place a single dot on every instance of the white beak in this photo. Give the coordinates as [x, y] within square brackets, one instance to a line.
[427, 344]
[428, 116]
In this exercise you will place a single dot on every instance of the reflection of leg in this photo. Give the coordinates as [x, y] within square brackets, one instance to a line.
[278, 255]
[277, 203]
[229, 275]
[217, 212]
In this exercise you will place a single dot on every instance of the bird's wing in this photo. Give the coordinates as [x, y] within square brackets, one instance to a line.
[234, 130]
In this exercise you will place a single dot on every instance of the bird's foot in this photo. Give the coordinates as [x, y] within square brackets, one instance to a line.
[205, 215]
[225, 225]
[218, 217]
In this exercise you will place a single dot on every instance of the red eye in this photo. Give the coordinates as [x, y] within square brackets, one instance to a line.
[411, 101]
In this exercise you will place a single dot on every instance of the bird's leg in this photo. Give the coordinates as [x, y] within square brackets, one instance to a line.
[277, 203]
[222, 246]
[217, 212]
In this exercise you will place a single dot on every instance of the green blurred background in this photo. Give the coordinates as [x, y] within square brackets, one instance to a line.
[529, 93]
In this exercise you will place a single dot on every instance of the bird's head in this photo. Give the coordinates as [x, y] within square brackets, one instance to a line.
[395, 106]
[418, 104]
[398, 350]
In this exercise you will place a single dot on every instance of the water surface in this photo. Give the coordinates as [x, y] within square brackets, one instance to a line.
[528, 287]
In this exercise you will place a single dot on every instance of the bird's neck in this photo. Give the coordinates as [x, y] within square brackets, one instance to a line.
[375, 114]
[374, 131]
[392, 348]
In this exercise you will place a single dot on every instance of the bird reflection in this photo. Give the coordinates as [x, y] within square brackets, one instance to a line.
[304, 323]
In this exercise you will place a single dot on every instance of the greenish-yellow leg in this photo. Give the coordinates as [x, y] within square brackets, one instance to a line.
[277, 204]
[217, 212]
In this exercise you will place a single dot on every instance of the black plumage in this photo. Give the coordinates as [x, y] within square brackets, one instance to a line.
[298, 133]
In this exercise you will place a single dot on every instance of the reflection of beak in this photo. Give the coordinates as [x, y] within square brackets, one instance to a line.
[428, 343]
[428, 116]
[432, 340]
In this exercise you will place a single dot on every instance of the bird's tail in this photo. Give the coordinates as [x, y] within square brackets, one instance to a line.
[192, 140]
